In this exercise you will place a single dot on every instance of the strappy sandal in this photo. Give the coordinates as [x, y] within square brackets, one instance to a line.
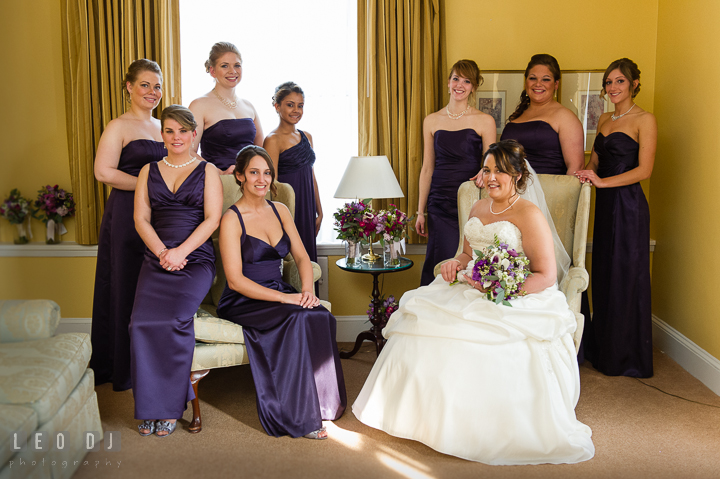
[165, 426]
[146, 424]
[316, 434]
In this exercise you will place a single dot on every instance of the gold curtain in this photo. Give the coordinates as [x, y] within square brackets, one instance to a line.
[100, 40]
[401, 69]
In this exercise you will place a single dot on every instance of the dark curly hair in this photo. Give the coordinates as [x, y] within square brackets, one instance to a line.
[539, 59]
[629, 69]
[509, 158]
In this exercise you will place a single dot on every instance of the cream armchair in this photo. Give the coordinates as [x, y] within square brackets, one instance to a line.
[220, 343]
[569, 205]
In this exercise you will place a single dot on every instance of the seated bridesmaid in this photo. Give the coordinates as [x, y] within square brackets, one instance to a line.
[178, 205]
[550, 133]
[290, 337]
[226, 123]
[292, 152]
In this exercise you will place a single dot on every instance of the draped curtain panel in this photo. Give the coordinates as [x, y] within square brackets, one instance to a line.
[401, 69]
[100, 40]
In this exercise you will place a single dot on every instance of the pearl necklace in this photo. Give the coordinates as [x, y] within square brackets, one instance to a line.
[613, 117]
[178, 166]
[456, 116]
[503, 211]
[225, 101]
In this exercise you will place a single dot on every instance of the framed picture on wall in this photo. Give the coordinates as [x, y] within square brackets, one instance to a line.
[493, 103]
[590, 107]
[580, 92]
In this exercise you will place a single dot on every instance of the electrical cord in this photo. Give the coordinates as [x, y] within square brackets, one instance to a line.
[675, 395]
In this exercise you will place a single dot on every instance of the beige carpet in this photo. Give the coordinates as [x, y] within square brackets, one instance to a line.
[638, 431]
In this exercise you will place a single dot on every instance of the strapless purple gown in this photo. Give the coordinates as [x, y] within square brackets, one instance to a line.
[618, 341]
[541, 143]
[458, 157]
[120, 255]
[295, 167]
[162, 334]
[292, 351]
[221, 142]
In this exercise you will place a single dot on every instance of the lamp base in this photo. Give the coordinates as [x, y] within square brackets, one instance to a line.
[371, 257]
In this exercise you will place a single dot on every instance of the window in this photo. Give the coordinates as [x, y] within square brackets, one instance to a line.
[311, 43]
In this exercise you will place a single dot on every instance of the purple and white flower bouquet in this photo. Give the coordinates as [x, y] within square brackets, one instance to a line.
[501, 270]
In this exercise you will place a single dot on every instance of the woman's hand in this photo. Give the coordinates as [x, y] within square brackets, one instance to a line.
[305, 299]
[478, 179]
[229, 171]
[420, 225]
[476, 284]
[172, 260]
[589, 176]
[449, 270]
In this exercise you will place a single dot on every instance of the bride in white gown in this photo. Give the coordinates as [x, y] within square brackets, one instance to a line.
[473, 379]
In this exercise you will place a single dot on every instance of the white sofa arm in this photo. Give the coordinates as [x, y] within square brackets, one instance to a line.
[28, 320]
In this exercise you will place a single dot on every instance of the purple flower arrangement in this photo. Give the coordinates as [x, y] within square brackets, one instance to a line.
[387, 307]
[15, 208]
[54, 204]
[390, 224]
[353, 221]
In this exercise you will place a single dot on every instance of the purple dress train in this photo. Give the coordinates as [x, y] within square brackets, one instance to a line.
[295, 168]
[458, 157]
[541, 143]
[120, 255]
[221, 142]
[162, 332]
[618, 340]
[292, 350]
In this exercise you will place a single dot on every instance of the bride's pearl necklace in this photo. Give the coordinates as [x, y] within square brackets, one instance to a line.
[184, 164]
[503, 211]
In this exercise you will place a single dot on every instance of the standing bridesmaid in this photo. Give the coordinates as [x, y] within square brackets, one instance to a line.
[455, 138]
[178, 204]
[128, 143]
[618, 341]
[292, 153]
[550, 133]
[226, 123]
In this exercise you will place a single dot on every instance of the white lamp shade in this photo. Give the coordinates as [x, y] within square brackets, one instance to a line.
[369, 177]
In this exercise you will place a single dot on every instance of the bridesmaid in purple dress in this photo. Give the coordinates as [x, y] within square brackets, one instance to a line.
[226, 123]
[128, 143]
[178, 204]
[290, 337]
[292, 152]
[550, 133]
[454, 138]
[618, 341]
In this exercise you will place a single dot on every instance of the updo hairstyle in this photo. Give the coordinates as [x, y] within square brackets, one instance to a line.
[539, 59]
[629, 69]
[468, 69]
[509, 158]
[218, 50]
[243, 160]
[180, 114]
[137, 67]
[284, 90]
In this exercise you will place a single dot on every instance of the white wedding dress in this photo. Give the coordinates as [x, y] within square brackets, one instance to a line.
[483, 382]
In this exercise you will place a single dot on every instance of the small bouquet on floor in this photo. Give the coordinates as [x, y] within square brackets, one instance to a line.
[499, 268]
[18, 211]
[387, 307]
[54, 204]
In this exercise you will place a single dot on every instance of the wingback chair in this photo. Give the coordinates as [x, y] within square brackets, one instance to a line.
[569, 205]
[220, 343]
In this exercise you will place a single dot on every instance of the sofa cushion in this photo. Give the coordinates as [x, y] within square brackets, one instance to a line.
[219, 355]
[210, 329]
[42, 374]
[18, 419]
[28, 320]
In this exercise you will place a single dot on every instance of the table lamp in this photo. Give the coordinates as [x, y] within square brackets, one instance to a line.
[369, 177]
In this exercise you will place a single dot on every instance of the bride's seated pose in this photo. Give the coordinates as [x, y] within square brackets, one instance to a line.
[485, 382]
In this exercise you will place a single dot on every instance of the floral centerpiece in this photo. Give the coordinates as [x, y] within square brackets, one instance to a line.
[17, 210]
[386, 308]
[352, 224]
[501, 270]
[390, 227]
[54, 204]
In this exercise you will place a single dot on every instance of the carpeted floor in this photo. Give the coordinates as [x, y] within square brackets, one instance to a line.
[638, 431]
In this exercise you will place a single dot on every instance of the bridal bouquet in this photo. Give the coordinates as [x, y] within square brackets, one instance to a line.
[18, 211]
[499, 268]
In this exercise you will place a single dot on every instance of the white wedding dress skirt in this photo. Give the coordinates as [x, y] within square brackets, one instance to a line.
[483, 382]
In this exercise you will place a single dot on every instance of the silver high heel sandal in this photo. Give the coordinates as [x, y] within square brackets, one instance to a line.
[316, 434]
[146, 424]
[165, 426]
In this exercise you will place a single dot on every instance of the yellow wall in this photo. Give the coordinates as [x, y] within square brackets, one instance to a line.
[684, 209]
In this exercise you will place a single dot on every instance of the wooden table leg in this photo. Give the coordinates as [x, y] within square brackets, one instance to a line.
[195, 377]
[374, 334]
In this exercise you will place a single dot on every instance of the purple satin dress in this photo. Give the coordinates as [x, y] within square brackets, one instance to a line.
[292, 351]
[458, 157]
[221, 142]
[120, 255]
[295, 167]
[162, 334]
[541, 143]
[618, 341]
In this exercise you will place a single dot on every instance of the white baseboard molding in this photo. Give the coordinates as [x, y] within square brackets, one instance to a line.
[74, 325]
[348, 327]
[687, 354]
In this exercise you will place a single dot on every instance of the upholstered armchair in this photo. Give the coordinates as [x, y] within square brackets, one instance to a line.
[569, 205]
[220, 343]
